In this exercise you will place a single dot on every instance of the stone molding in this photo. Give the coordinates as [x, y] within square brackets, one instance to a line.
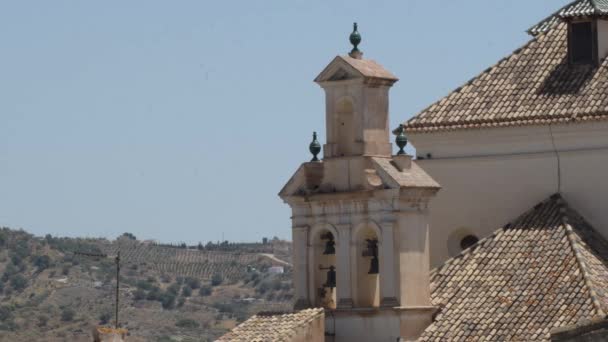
[345, 303]
[389, 302]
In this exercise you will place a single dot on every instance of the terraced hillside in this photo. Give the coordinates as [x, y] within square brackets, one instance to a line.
[184, 262]
[48, 293]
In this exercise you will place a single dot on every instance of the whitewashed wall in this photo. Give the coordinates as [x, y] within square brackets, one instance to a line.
[491, 176]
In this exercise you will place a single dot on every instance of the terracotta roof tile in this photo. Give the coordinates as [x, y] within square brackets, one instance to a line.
[583, 8]
[535, 85]
[272, 327]
[547, 269]
[369, 68]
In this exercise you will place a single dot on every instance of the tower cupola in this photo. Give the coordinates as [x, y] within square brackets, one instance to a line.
[356, 104]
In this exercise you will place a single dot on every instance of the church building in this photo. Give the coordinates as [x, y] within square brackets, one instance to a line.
[497, 229]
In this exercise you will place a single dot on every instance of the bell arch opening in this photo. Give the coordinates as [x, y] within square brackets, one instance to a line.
[324, 269]
[367, 269]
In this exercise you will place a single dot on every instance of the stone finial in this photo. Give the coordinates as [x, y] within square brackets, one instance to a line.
[314, 147]
[355, 39]
[401, 139]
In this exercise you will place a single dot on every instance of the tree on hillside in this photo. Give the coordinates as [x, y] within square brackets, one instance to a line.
[67, 314]
[194, 283]
[129, 236]
[18, 282]
[216, 279]
[42, 262]
[105, 317]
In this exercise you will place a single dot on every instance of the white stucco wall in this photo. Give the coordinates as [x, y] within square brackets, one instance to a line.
[491, 176]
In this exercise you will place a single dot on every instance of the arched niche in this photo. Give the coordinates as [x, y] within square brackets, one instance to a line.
[345, 126]
[322, 238]
[367, 248]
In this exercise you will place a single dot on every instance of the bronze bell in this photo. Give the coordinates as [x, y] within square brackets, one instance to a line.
[330, 245]
[372, 251]
[372, 248]
[331, 277]
[374, 266]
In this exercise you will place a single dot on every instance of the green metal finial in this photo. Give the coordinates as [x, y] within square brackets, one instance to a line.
[314, 147]
[355, 39]
[401, 140]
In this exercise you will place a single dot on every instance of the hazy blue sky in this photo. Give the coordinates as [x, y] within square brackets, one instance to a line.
[181, 120]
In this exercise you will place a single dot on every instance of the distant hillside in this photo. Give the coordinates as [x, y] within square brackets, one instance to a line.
[167, 293]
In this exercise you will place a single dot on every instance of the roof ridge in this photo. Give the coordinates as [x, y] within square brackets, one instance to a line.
[569, 231]
[596, 10]
[486, 71]
[577, 246]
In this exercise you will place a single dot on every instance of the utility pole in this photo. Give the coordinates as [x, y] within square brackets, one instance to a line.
[117, 260]
[117, 286]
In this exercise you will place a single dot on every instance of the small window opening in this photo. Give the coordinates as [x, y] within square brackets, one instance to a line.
[581, 42]
[468, 241]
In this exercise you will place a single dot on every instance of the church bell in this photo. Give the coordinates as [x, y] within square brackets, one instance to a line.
[331, 277]
[374, 266]
[330, 245]
[372, 251]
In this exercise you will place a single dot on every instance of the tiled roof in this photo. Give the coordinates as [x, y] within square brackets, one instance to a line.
[535, 85]
[545, 24]
[584, 8]
[369, 68]
[414, 177]
[272, 327]
[547, 269]
[579, 8]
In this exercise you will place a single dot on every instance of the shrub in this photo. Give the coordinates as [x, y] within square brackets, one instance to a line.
[174, 289]
[186, 291]
[181, 302]
[216, 279]
[18, 282]
[205, 290]
[139, 294]
[264, 286]
[105, 317]
[129, 236]
[67, 314]
[42, 320]
[154, 294]
[187, 323]
[276, 284]
[65, 270]
[193, 283]
[168, 301]
[6, 313]
[42, 262]
[144, 285]
[9, 271]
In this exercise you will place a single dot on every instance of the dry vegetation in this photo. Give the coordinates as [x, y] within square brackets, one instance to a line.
[167, 293]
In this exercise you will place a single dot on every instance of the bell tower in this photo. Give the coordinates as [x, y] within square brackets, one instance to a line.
[360, 215]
